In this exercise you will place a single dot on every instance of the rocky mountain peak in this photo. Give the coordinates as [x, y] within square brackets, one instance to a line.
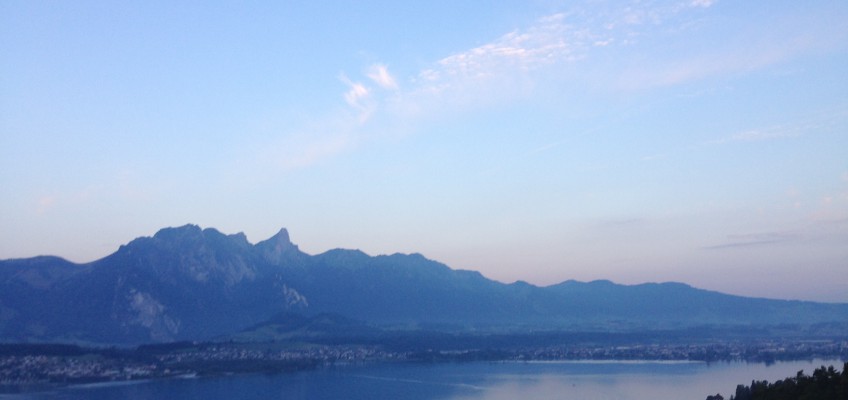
[276, 247]
[282, 238]
[177, 233]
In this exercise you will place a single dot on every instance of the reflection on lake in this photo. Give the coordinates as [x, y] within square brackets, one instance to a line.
[477, 381]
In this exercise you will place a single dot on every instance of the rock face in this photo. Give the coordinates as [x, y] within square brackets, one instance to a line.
[189, 283]
[279, 248]
[182, 283]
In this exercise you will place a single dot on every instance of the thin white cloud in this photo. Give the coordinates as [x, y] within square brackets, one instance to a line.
[515, 64]
[816, 122]
[311, 144]
[743, 49]
[756, 135]
[755, 239]
[702, 3]
[548, 41]
[355, 94]
[512, 64]
[309, 153]
[560, 39]
[661, 73]
[504, 69]
[380, 75]
[358, 96]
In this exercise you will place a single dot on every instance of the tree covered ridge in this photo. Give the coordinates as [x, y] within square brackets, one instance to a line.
[826, 383]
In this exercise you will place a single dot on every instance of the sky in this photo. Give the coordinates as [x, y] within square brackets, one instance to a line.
[700, 141]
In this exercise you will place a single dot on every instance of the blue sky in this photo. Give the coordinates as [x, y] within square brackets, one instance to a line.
[697, 141]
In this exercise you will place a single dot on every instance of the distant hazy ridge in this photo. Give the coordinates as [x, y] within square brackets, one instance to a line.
[193, 283]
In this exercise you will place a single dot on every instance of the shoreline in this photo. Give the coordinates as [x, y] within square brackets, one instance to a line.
[12, 390]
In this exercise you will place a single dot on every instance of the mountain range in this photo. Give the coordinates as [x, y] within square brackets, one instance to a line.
[188, 283]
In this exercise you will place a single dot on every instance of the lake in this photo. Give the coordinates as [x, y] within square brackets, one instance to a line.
[600, 380]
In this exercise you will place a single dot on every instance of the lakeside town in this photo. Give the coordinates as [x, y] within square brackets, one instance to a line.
[23, 369]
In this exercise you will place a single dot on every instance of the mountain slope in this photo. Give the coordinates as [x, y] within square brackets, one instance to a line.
[193, 283]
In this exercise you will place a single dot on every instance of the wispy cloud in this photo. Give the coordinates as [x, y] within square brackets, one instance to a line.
[828, 227]
[337, 133]
[755, 239]
[746, 51]
[519, 60]
[517, 63]
[310, 152]
[356, 94]
[821, 121]
[507, 69]
[548, 41]
[756, 135]
[380, 75]
[311, 145]
[674, 72]
[702, 3]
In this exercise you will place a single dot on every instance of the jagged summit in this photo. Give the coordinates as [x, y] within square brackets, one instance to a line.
[281, 240]
[189, 237]
[178, 232]
[278, 247]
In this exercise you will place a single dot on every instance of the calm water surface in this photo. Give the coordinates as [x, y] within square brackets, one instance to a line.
[478, 381]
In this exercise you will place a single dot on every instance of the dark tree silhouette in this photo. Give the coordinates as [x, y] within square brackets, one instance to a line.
[826, 383]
